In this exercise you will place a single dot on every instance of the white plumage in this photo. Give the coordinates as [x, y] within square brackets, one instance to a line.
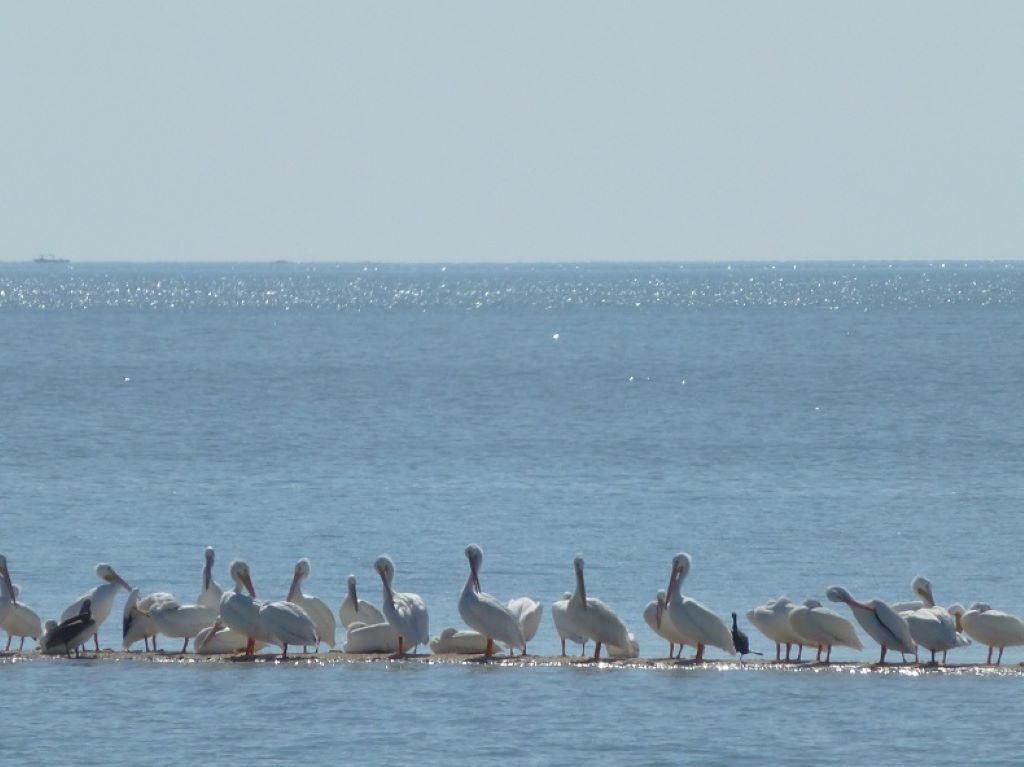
[485, 614]
[16, 618]
[692, 619]
[529, 612]
[356, 610]
[879, 620]
[316, 609]
[405, 611]
[593, 619]
[563, 624]
[821, 627]
[102, 598]
[210, 593]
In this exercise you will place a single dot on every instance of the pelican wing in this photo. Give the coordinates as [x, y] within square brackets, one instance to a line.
[21, 621]
[705, 626]
[837, 628]
[529, 612]
[895, 625]
[322, 617]
[287, 623]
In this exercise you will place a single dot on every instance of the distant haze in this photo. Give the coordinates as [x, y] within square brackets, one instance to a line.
[528, 131]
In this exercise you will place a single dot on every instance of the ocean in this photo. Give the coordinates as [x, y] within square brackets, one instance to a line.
[791, 426]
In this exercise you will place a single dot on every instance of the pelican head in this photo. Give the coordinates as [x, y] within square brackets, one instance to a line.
[241, 576]
[957, 611]
[301, 573]
[6, 575]
[577, 564]
[208, 567]
[980, 607]
[476, 558]
[680, 569]
[923, 588]
[109, 574]
[811, 603]
[839, 594]
[302, 567]
[385, 567]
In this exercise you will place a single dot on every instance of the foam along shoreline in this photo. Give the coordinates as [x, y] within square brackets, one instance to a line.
[521, 661]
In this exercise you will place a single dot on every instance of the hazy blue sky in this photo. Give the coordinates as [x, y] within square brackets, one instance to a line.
[472, 131]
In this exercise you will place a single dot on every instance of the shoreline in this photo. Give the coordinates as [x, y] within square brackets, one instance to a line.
[336, 657]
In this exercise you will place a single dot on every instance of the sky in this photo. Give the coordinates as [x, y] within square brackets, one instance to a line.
[526, 131]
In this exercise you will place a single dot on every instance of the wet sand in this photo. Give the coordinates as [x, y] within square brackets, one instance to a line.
[519, 661]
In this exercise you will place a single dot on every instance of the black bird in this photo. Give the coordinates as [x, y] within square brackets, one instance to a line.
[68, 632]
[740, 640]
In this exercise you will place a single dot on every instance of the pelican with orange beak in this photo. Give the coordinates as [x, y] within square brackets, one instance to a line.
[101, 599]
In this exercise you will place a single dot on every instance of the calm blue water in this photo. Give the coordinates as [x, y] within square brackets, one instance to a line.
[789, 427]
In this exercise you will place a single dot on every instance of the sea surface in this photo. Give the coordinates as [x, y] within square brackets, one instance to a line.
[790, 426]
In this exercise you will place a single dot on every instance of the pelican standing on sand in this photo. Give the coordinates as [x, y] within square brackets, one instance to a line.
[17, 619]
[772, 620]
[932, 627]
[356, 610]
[405, 611]
[71, 633]
[179, 621]
[484, 613]
[593, 619]
[654, 617]
[211, 592]
[315, 608]
[564, 627]
[528, 612]
[101, 598]
[692, 618]
[136, 622]
[879, 620]
[239, 611]
[992, 628]
[822, 627]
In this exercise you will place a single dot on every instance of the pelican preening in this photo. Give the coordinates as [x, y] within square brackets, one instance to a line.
[692, 619]
[101, 598]
[772, 620]
[320, 613]
[823, 628]
[356, 610]
[593, 619]
[406, 612]
[879, 620]
[528, 611]
[17, 619]
[931, 626]
[486, 614]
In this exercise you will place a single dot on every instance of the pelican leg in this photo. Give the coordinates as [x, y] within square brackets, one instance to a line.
[597, 651]
[250, 647]
[671, 649]
[817, 657]
[154, 642]
[401, 645]
[489, 650]
[184, 647]
[21, 644]
[700, 653]
[8, 647]
[944, 657]
[881, 661]
[800, 654]
[789, 646]
[933, 658]
[563, 647]
[778, 651]
[988, 662]
[828, 655]
[96, 639]
[1000, 661]
[583, 652]
[284, 651]
[146, 640]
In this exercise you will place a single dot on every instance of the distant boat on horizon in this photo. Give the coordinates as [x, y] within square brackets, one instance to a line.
[48, 258]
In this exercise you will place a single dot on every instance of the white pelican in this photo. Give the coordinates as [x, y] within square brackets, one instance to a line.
[484, 613]
[454, 642]
[772, 620]
[371, 639]
[17, 619]
[315, 608]
[992, 628]
[211, 592]
[406, 612]
[822, 627]
[180, 621]
[71, 633]
[632, 650]
[529, 612]
[136, 623]
[690, 617]
[240, 612]
[564, 627]
[593, 619]
[285, 623]
[101, 598]
[879, 620]
[932, 627]
[654, 616]
[356, 610]
[219, 640]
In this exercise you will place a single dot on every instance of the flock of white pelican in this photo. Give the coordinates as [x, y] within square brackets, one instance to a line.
[235, 621]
